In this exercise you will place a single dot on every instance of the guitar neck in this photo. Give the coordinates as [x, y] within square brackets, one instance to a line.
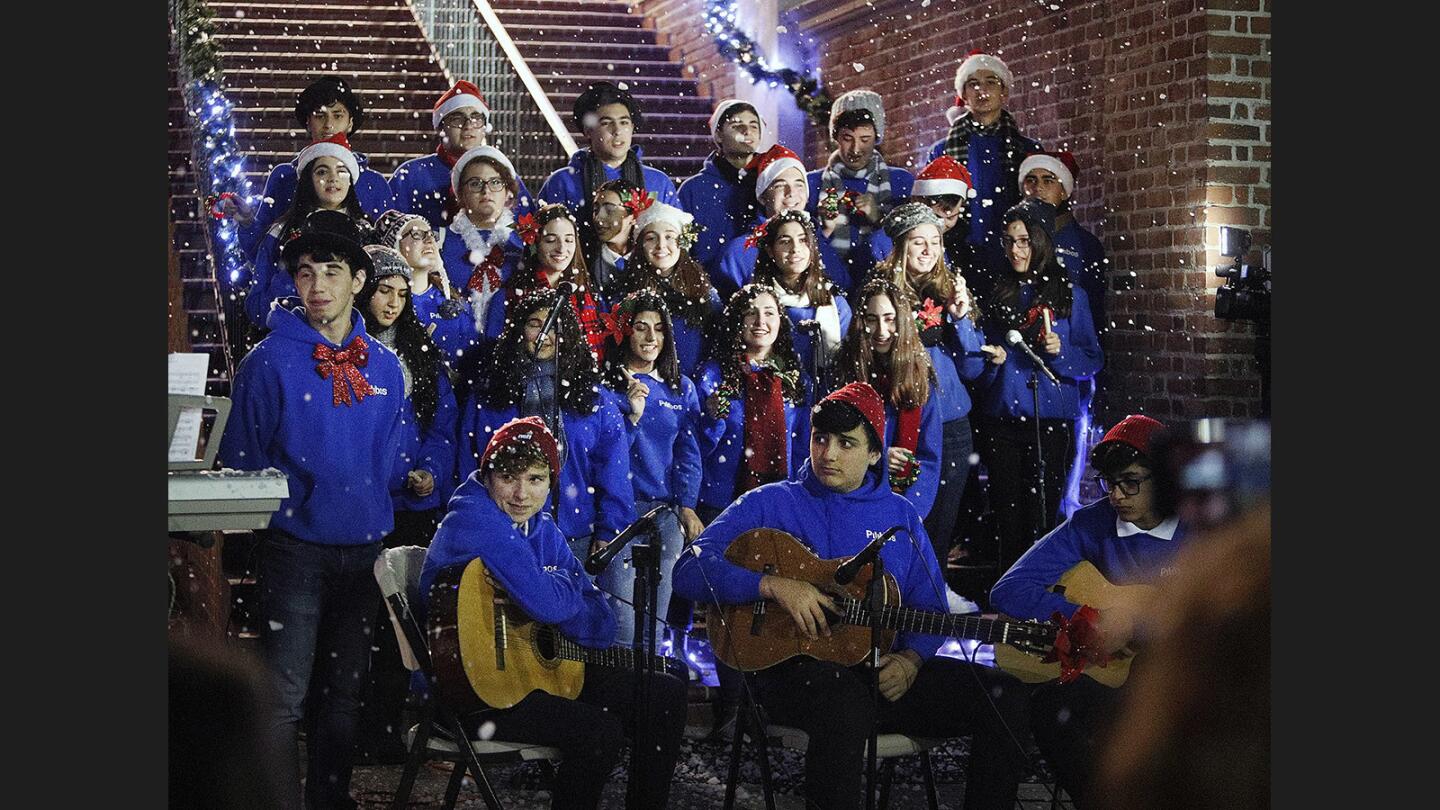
[910, 620]
[617, 656]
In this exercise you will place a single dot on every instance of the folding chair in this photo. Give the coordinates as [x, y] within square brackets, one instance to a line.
[436, 736]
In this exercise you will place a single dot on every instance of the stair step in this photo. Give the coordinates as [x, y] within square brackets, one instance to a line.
[530, 16]
[648, 103]
[554, 32]
[269, 117]
[594, 71]
[369, 43]
[327, 61]
[412, 144]
[395, 81]
[562, 6]
[592, 51]
[309, 11]
[305, 28]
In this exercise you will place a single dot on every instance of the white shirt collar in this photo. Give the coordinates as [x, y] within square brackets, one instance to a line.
[1165, 531]
[652, 373]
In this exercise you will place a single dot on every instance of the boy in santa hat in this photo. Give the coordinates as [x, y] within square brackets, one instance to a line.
[1051, 176]
[722, 195]
[422, 185]
[327, 107]
[856, 189]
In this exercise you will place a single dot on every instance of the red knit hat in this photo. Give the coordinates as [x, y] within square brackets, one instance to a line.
[867, 401]
[944, 175]
[463, 94]
[1135, 430]
[517, 432]
[769, 164]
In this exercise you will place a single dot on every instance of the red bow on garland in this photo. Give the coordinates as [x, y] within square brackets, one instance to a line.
[638, 201]
[616, 324]
[344, 365]
[213, 203]
[1077, 643]
[928, 315]
[527, 229]
[756, 234]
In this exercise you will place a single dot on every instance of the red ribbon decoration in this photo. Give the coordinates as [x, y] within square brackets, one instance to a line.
[527, 229]
[215, 202]
[1077, 643]
[344, 365]
[639, 201]
[756, 234]
[487, 270]
[616, 324]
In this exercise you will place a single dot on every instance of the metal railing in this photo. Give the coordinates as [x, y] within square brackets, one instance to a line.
[471, 43]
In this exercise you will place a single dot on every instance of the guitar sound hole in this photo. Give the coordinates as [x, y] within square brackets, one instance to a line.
[545, 646]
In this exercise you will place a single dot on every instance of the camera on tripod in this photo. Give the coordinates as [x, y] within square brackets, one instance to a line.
[1245, 296]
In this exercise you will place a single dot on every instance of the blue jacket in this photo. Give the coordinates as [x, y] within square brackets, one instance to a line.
[722, 202]
[689, 338]
[432, 449]
[567, 185]
[927, 451]
[596, 496]
[530, 561]
[458, 264]
[735, 266]
[955, 358]
[371, 191]
[456, 336]
[664, 451]
[1004, 393]
[833, 525]
[988, 206]
[421, 186]
[340, 458]
[1084, 259]
[805, 349]
[722, 441]
[863, 249]
[268, 281]
[1090, 534]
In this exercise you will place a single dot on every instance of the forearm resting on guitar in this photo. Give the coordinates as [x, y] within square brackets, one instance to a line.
[1116, 627]
[803, 601]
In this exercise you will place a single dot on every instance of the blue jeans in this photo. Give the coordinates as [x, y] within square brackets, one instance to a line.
[619, 578]
[956, 445]
[317, 610]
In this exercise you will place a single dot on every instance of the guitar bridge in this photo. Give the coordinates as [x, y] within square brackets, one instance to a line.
[757, 611]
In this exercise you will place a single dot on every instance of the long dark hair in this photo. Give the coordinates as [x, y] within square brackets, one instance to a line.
[1052, 283]
[577, 273]
[813, 282]
[687, 290]
[414, 346]
[906, 367]
[305, 201]
[504, 384]
[667, 365]
[728, 346]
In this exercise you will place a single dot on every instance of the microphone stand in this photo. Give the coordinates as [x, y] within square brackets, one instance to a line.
[645, 559]
[875, 599]
[1034, 385]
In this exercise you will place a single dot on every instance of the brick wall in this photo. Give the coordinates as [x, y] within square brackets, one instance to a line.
[681, 25]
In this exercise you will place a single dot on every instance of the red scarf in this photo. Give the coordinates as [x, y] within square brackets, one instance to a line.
[907, 431]
[766, 444]
[344, 365]
[452, 205]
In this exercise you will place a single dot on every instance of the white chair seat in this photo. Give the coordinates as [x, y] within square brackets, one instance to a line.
[523, 752]
[886, 745]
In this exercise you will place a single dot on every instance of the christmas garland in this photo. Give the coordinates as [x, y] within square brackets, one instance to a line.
[742, 50]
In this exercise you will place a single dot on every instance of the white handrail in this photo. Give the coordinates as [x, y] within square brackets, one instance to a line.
[552, 118]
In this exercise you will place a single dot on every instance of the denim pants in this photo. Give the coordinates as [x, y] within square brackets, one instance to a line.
[618, 580]
[317, 610]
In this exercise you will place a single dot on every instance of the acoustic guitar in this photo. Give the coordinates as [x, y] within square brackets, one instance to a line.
[755, 635]
[488, 654]
[1082, 584]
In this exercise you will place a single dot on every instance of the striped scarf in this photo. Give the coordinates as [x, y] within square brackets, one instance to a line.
[957, 142]
[877, 182]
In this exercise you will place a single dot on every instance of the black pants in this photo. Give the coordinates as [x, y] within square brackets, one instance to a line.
[955, 449]
[832, 704]
[1070, 723]
[727, 695]
[590, 733]
[1008, 448]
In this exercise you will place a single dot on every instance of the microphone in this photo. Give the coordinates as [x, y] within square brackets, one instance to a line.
[601, 558]
[809, 326]
[564, 289]
[1015, 339]
[848, 569]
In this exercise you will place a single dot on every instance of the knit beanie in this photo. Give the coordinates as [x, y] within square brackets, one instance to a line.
[722, 113]
[1035, 213]
[1136, 430]
[392, 224]
[903, 219]
[388, 262]
[867, 100]
[512, 436]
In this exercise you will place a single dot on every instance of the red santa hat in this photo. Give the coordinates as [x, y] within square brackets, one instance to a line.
[944, 175]
[458, 170]
[336, 146]
[724, 106]
[867, 401]
[769, 164]
[463, 94]
[1062, 164]
[512, 436]
[660, 212]
[1136, 430]
[977, 61]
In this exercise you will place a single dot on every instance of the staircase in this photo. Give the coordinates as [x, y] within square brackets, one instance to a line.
[569, 44]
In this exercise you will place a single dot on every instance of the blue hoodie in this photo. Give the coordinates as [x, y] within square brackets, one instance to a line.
[722, 441]
[723, 203]
[596, 496]
[531, 562]
[371, 191]
[1084, 259]
[432, 449]
[340, 458]
[1091, 534]
[1004, 393]
[567, 185]
[735, 266]
[421, 186]
[927, 451]
[456, 336]
[664, 451]
[831, 524]
[955, 358]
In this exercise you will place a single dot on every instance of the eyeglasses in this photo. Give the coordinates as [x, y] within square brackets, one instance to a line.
[476, 184]
[1009, 241]
[988, 84]
[419, 236]
[1128, 486]
[463, 121]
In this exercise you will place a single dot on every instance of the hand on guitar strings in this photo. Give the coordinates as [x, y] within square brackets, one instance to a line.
[803, 601]
[897, 673]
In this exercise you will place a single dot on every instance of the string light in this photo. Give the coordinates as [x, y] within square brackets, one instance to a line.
[745, 54]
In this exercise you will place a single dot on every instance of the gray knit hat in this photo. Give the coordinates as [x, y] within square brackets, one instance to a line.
[388, 262]
[867, 100]
[392, 223]
[903, 219]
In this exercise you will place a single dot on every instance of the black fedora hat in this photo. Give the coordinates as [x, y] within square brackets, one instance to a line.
[328, 231]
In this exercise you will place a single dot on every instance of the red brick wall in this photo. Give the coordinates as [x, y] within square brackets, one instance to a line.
[681, 25]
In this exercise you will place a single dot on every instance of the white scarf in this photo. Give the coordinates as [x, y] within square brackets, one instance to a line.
[828, 316]
[481, 246]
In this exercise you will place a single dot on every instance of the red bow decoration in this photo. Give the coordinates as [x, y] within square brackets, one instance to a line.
[1037, 313]
[487, 272]
[214, 203]
[527, 229]
[638, 201]
[342, 366]
[1077, 643]
[616, 324]
[756, 234]
[929, 314]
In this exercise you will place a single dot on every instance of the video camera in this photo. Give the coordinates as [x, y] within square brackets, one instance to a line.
[1245, 295]
[1210, 471]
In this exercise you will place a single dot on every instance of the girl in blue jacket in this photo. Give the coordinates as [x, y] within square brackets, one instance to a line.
[595, 499]
[662, 411]
[449, 321]
[1051, 315]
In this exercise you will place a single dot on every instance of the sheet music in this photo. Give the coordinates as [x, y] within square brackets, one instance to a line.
[188, 373]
